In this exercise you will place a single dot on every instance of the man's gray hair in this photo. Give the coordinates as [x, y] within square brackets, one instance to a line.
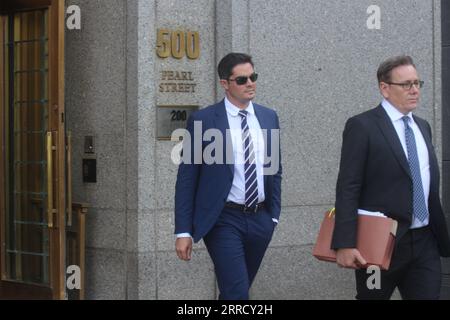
[385, 69]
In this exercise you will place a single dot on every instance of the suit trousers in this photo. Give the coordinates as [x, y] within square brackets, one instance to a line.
[237, 244]
[415, 269]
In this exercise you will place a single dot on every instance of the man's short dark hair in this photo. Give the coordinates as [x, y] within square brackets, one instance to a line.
[231, 60]
[384, 72]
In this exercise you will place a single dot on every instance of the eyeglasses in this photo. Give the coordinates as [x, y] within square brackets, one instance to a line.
[243, 80]
[408, 85]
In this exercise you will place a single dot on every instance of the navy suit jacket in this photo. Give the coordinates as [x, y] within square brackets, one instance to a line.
[374, 175]
[202, 189]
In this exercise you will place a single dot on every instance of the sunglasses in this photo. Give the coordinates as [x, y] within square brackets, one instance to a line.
[243, 80]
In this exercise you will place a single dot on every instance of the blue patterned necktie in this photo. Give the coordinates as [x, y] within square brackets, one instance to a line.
[251, 184]
[419, 205]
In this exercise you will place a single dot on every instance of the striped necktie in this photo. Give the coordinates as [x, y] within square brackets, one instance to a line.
[251, 184]
[420, 210]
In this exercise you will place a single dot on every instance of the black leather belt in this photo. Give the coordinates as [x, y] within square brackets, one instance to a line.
[243, 208]
[420, 230]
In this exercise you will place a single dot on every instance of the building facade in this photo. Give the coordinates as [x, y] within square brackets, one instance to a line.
[135, 69]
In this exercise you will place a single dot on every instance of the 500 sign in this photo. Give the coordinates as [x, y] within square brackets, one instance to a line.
[178, 44]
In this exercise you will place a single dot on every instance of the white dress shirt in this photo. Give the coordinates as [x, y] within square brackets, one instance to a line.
[237, 192]
[422, 150]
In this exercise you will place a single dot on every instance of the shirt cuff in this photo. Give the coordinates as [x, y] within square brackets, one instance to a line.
[184, 235]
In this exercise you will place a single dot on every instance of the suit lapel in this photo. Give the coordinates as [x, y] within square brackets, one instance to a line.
[426, 136]
[265, 125]
[221, 123]
[260, 116]
[424, 132]
[388, 130]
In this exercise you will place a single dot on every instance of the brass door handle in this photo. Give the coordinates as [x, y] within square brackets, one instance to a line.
[50, 209]
[69, 177]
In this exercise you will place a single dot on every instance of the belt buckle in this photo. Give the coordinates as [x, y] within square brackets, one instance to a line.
[250, 209]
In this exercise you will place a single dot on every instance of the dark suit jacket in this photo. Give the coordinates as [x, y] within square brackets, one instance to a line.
[202, 189]
[374, 175]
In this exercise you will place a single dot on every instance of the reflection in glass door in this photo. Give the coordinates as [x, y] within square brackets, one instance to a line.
[27, 236]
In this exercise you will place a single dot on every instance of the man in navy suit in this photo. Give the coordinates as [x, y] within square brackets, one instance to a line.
[388, 165]
[232, 200]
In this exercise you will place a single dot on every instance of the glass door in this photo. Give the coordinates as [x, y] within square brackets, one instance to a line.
[32, 200]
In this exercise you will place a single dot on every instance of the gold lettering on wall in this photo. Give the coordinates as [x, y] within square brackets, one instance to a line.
[177, 44]
[177, 81]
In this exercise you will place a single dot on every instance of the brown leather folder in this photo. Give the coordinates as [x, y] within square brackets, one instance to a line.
[375, 239]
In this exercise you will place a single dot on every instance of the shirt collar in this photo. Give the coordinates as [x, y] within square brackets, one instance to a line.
[393, 113]
[234, 111]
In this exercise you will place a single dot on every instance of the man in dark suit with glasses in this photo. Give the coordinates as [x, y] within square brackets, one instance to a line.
[388, 165]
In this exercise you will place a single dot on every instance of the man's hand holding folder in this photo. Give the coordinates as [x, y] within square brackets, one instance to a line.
[350, 258]
[375, 241]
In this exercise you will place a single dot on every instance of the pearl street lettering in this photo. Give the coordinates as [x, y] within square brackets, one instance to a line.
[180, 81]
[176, 76]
